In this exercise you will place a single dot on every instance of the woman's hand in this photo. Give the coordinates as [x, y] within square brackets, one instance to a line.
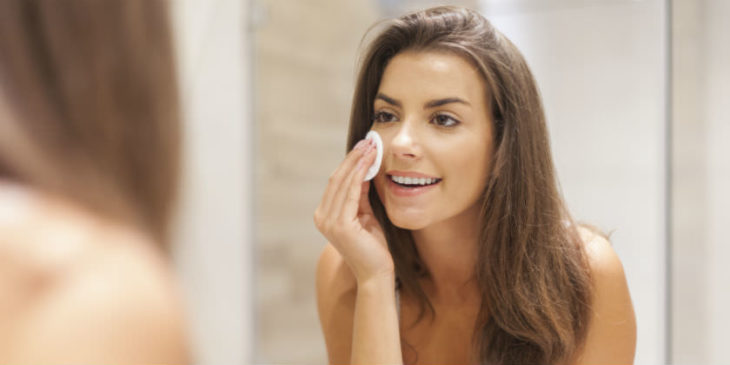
[345, 217]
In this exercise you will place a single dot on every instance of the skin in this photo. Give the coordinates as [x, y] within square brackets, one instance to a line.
[82, 288]
[355, 273]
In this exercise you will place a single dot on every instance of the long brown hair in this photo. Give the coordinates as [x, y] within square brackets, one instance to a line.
[532, 269]
[89, 105]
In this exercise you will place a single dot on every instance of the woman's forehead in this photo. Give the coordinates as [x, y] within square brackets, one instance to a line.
[431, 75]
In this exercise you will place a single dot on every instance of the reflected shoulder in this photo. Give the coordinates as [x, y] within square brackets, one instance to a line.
[602, 258]
[612, 330]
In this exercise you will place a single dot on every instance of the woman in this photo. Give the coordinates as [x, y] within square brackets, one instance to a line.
[483, 264]
[89, 138]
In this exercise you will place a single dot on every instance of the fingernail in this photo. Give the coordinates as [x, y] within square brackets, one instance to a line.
[360, 145]
[371, 146]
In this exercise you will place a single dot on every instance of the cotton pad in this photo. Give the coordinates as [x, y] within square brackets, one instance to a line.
[375, 167]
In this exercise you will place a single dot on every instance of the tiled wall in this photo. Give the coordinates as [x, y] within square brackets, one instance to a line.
[304, 62]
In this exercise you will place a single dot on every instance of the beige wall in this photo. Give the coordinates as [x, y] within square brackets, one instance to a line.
[701, 176]
[305, 52]
[689, 232]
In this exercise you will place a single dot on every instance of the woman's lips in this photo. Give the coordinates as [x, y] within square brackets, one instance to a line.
[402, 191]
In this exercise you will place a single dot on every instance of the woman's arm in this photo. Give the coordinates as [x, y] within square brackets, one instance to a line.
[375, 335]
[612, 332]
[359, 322]
[336, 293]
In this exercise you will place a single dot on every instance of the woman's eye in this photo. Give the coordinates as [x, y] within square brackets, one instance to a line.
[445, 120]
[383, 117]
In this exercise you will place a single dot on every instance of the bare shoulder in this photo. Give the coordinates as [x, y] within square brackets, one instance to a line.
[612, 330]
[91, 298]
[119, 303]
[336, 293]
[602, 258]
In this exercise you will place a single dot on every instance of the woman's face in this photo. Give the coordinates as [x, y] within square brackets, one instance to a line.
[431, 112]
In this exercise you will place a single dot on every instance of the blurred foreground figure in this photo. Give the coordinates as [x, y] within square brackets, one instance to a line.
[89, 149]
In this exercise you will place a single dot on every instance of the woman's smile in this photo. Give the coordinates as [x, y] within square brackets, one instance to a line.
[407, 185]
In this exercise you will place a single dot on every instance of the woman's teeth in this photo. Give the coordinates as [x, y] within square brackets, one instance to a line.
[414, 180]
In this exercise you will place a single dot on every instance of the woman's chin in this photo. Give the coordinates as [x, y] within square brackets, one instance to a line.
[406, 221]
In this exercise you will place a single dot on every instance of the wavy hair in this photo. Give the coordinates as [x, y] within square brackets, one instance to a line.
[532, 269]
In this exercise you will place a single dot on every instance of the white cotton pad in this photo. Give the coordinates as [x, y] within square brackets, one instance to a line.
[375, 167]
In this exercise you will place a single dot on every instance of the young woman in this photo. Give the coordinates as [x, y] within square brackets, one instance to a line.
[463, 251]
[89, 136]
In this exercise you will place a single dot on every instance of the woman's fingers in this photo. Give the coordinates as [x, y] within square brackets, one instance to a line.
[337, 217]
[354, 191]
[335, 180]
[343, 193]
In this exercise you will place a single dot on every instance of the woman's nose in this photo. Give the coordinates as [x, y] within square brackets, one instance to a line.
[404, 143]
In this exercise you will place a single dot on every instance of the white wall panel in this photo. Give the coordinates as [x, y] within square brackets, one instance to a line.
[214, 245]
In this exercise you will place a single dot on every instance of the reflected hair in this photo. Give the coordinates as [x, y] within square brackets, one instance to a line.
[88, 94]
[532, 269]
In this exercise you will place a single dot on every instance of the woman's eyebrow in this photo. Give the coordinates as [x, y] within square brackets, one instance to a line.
[439, 102]
[388, 100]
[430, 104]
